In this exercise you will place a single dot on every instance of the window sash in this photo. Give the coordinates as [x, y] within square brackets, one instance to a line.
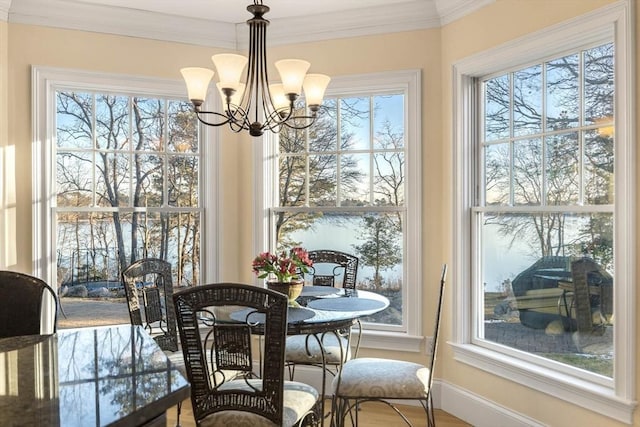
[266, 178]
[46, 82]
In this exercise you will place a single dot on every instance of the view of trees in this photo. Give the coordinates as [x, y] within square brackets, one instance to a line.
[341, 179]
[536, 156]
[309, 175]
[127, 184]
[546, 198]
[381, 248]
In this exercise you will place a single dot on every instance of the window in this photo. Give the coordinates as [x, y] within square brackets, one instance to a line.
[544, 245]
[546, 170]
[347, 183]
[126, 161]
[127, 171]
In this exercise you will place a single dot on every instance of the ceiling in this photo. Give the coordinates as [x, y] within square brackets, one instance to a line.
[221, 23]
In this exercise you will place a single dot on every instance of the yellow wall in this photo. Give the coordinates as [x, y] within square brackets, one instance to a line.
[432, 51]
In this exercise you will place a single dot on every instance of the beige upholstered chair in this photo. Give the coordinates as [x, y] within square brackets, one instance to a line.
[372, 379]
[216, 323]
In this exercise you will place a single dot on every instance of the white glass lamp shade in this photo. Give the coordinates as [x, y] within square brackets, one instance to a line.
[292, 73]
[229, 67]
[197, 80]
[279, 99]
[236, 98]
[314, 86]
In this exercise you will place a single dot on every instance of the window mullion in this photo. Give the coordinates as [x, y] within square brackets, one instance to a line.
[338, 151]
[371, 150]
[543, 137]
[130, 152]
[161, 152]
[581, 132]
[94, 150]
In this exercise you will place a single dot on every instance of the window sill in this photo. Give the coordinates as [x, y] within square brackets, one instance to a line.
[586, 394]
[391, 341]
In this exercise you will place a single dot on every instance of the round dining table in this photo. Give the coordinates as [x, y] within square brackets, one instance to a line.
[320, 310]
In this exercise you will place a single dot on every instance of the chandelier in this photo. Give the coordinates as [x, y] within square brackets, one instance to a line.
[256, 104]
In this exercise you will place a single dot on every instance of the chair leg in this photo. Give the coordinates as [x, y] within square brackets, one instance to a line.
[431, 416]
[292, 371]
[178, 410]
[60, 306]
[337, 417]
[340, 409]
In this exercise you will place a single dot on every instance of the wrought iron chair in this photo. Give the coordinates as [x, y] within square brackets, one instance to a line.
[372, 379]
[331, 349]
[336, 264]
[149, 289]
[216, 323]
[591, 300]
[149, 281]
[22, 303]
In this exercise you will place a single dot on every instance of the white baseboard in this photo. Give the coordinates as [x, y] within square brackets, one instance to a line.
[475, 409]
[469, 407]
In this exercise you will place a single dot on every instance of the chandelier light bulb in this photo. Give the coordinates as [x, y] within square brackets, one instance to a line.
[292, 72]
[314, 87]
[197, 80]
[280, 101]
[229, 67]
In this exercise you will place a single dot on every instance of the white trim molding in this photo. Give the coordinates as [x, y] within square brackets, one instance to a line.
[475, 409]
[4, 10]
[131, 21]
[82, 16]
[614, 397]
[451, 10]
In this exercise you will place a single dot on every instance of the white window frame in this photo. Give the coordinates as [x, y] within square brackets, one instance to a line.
[613, 398]
[409, 83]
[45, 81]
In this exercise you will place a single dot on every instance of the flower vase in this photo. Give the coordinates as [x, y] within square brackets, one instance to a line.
[291, 289]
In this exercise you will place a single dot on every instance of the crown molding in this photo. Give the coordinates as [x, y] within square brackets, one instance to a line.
[128, 22]
[72, 14]
[4, 10]
[451, 10]
[409, 16]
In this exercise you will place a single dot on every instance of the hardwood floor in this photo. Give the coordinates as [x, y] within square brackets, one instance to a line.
[372, 415]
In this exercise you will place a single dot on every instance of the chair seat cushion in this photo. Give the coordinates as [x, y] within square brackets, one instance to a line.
[299, 399]
[297, 346]
[382, 378]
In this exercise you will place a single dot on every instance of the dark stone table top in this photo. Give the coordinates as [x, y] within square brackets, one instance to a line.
[103, 376]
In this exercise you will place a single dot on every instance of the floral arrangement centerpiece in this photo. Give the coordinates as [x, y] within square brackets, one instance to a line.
[282, 270]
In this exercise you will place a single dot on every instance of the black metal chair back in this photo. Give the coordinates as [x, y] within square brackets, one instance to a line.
[21, 304]
[149, 289]
[215, 323]
[345, 265]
